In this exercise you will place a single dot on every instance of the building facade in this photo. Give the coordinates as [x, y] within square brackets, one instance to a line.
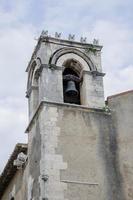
[79, 147]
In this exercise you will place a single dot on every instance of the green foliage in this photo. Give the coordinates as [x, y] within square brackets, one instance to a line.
[106, 109]
[91, 49]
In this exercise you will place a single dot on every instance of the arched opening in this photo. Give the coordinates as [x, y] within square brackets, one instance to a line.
[35, 89]
[58, 55]
[71, 83]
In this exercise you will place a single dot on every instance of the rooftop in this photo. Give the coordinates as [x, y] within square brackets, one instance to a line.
[10, 170]
[119, 94]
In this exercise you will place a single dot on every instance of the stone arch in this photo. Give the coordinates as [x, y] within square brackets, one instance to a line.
[34, 80]
[68, 53]
[74, 65]
[33, 86]
[30, 75]
[36, 63]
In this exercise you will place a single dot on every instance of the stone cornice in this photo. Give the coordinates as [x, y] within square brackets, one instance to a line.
[70, 43]
[61, 42]
[67, 105]
[94, 73]
[28, 92]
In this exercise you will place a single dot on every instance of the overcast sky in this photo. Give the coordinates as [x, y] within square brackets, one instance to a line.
[21, 21]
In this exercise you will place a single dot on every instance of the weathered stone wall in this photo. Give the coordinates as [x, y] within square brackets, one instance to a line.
[18, 186]
[53, 53]
[51, 85]
[92, 92]
[34, 157]
[72, 146]
[122, 113]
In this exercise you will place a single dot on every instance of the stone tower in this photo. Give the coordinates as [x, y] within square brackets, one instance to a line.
[69, 156]
[78, 147]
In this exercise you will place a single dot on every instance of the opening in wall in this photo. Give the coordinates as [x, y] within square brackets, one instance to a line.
[71, 86]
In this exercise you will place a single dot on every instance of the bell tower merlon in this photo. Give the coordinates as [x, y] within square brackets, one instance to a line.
[65, 71]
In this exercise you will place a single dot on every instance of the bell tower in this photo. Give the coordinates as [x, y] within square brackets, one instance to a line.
[65, 71]
[67, 122]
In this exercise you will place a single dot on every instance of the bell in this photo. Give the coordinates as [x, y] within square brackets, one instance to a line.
[71, 89]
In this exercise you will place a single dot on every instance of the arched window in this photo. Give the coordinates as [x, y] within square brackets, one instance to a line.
[35, 88]
[71, 85]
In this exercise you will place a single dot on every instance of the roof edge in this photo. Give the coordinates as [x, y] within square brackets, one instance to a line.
[10, 170]
[119, 94]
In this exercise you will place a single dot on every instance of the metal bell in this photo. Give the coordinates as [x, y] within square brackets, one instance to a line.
[71, 89]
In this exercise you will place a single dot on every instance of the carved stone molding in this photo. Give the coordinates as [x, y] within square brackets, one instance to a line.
[54, 58]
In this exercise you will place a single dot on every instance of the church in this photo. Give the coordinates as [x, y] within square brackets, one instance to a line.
[80, 147]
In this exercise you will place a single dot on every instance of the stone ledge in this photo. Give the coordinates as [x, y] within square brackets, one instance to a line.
[67, 42]
[61, 42]
[67, 105]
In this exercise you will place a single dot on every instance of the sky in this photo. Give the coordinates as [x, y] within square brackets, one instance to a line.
[21, 22]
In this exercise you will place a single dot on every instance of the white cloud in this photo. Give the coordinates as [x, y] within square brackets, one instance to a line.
[16, 45]
[12, 122]
[117, 58]
[76, 15]
[119, 81]
[13, 12]
[13, 113]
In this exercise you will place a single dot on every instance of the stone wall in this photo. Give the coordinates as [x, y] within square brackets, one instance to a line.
[122, 113]
[18, 186]
[75, 153]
